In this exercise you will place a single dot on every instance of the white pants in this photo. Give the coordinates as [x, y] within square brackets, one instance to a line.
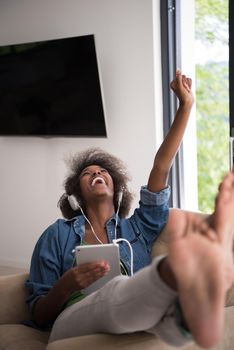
[142, 302]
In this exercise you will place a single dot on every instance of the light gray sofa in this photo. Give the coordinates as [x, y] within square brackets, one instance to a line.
[15, 336]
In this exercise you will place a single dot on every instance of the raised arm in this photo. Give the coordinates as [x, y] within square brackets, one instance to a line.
[165, 155]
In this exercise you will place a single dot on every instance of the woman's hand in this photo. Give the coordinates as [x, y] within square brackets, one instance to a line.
[181, 86]
[81, 276]
[48, 307]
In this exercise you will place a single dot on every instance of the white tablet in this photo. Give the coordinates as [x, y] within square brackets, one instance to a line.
[108, 252]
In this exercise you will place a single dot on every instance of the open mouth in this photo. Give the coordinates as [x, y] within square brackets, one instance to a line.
[97, 180]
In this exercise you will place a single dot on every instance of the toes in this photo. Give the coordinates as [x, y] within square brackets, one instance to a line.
[207, 231]
[226, 189]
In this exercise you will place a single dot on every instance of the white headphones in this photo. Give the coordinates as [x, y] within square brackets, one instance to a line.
[75, 206]
[120, 197]
[73, 202]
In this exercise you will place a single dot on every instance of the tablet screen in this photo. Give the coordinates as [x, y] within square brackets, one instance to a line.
[108, 252]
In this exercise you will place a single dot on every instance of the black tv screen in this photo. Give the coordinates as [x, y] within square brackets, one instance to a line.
[51, 88]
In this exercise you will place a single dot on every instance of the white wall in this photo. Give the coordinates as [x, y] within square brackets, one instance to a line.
[32, 169]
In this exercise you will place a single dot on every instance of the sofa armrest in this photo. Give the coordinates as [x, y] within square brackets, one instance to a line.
[13, 308]
[160, 245]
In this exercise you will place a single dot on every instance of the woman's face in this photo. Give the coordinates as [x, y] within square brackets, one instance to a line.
[95, 183]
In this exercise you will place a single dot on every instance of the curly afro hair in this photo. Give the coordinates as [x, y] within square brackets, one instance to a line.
[116, 169]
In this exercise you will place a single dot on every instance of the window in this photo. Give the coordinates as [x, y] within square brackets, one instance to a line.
[199, 27]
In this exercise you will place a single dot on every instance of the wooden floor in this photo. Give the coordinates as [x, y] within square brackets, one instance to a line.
[5, 270]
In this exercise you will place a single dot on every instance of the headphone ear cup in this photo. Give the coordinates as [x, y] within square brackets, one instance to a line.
[73, 202]
[120, 197]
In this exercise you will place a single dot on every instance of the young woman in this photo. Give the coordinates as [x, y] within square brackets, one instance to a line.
[95, 203]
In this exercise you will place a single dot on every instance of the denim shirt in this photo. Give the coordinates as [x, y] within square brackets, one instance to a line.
[53, 254]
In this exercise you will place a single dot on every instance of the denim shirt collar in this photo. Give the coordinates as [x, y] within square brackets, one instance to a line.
[79, 226]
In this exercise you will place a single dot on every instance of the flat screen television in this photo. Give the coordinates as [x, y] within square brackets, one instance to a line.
[51, 88]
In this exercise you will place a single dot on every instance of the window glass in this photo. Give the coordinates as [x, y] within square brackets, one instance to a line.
[212, 97]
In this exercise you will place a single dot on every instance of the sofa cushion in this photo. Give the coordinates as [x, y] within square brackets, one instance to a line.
[12, 301]
[20, 337]
[133, 341]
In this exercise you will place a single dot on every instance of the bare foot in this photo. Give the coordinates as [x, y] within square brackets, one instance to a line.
[200, 258]
[222, 220]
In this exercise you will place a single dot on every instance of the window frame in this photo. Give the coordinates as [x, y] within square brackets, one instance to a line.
[170, 11]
